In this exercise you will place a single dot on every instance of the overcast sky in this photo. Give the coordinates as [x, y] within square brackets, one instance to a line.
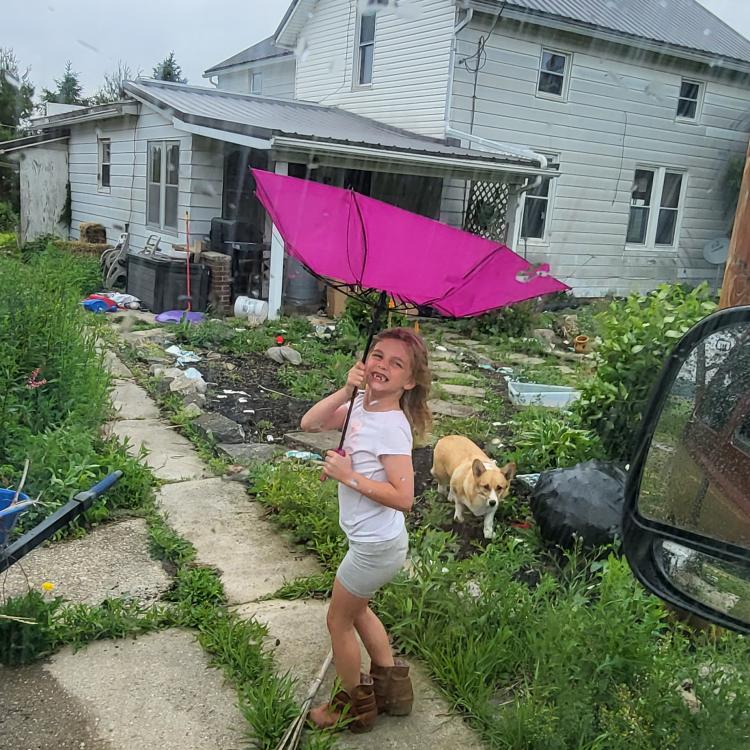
[95, 34]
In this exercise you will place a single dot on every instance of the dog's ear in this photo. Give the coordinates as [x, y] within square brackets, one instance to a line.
[509, 470]
[478, 468]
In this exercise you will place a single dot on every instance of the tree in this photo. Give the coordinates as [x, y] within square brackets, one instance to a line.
[68, 91]
[111, 90]
[169, 70]
[16, 105]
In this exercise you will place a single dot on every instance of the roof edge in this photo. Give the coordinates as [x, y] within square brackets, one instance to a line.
[693, 54]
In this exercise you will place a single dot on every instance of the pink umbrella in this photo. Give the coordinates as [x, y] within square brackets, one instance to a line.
[363, 244]
[366, 244]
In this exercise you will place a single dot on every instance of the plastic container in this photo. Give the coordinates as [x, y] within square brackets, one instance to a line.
[255, 310]
[301, 289]
[537, 394]
[161, 283]
[8, 515]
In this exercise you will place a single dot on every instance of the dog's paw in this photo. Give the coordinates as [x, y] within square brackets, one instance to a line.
[489, 534]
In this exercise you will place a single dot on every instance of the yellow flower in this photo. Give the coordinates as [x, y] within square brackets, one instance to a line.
[48, 586]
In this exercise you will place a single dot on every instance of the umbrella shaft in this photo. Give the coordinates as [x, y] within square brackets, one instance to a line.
[379, 310]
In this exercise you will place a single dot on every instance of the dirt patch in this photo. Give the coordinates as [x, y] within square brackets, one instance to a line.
[247, 390]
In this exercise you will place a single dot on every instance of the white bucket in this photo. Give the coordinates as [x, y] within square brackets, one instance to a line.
[255, 310]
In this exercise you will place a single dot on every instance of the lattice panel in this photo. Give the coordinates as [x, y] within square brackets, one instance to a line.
[487, 212]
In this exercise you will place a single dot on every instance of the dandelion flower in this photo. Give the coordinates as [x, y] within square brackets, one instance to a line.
[48, 586]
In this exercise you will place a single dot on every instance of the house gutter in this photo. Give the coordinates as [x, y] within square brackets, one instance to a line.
[435, 161]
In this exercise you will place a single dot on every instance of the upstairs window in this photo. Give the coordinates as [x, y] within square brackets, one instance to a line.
[554, 71]
[365, 49]
[256, 83]
[690, 100]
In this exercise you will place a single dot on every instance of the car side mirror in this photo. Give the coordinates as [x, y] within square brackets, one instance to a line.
[686, 525]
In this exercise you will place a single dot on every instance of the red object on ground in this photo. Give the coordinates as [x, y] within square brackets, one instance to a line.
[279, 340]
[520, 524]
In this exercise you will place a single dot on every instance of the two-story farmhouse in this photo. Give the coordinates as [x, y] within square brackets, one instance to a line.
[594, 136]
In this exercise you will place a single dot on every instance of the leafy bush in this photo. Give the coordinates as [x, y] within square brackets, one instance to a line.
[638, 334]
[53, 388]
[547, 439]
[8, 217]
[514, 320]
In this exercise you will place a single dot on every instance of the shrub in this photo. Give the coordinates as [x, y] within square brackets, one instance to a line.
[514, 320]
[638, 334]
[547, 439]
[8, 217]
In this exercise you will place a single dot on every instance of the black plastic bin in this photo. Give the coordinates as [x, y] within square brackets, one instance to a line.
[161, 282]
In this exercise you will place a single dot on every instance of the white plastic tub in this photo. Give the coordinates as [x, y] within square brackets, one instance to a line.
[538, 394]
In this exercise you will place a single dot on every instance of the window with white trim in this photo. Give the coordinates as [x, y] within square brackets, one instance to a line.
[365, 49]
[256, 83]
[655, 205]
[690, 100]
[537, 203]
[104, 146]
[554, 71]
[163, 184]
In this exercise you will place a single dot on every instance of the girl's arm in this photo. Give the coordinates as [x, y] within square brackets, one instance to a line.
[330, 413]
[396, 493]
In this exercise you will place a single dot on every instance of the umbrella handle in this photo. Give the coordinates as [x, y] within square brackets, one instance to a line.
[341, 452]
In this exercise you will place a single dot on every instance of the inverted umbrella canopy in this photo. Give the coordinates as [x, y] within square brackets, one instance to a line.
[365, 243]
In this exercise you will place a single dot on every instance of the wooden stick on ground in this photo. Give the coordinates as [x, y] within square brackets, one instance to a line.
[22, 482]
[290, 740]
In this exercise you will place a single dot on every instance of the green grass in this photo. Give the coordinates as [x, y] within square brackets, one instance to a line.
[585, 658]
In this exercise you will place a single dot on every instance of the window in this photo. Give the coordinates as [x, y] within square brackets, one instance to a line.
[655, 202]
[256, 83]
[536, 207]
[689, 103]
[365, 49]
[163, 184]
[105, 162]
[553, 74]
[742, 435]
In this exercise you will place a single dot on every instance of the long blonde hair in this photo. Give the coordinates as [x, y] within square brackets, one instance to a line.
[414, 401]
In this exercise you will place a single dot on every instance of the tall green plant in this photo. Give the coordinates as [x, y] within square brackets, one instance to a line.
[637, 335]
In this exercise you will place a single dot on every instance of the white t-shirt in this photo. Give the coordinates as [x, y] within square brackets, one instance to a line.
[372, 434]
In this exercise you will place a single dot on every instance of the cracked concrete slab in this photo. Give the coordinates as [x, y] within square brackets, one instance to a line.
[154, 692]
[171, 456]
[229, 532]
[110, 561]
[130, 401]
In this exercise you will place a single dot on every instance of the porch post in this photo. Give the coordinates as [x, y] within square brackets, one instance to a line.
[276, 280]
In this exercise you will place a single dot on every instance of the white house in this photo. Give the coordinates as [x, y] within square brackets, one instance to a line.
[593, 138]
[639, 104]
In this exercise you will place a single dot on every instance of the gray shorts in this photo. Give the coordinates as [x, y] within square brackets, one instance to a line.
[369, 565]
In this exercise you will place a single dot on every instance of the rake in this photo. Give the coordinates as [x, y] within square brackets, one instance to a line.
[291, 738]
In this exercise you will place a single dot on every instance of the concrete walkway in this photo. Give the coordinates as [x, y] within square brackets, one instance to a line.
[159, 691]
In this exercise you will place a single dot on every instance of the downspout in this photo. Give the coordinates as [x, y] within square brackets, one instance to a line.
[452, 62]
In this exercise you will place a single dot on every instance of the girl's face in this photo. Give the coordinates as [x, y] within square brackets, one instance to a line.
[388, 368]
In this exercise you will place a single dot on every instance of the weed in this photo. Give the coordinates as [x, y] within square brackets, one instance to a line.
[26, 628]
[319, 586]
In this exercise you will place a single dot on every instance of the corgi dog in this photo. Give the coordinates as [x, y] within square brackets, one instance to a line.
[471, 479]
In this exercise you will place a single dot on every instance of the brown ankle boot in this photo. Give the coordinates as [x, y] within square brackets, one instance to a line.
[358, 709]
[393, 691]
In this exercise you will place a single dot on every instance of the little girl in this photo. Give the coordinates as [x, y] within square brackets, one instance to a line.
[376, 488]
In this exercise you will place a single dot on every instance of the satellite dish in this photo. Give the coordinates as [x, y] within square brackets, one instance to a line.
[716, 251]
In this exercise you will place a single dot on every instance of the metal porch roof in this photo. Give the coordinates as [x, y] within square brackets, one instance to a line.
[265, 117]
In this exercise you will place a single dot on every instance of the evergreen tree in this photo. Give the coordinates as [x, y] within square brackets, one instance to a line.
[69, 89]
[169, 70]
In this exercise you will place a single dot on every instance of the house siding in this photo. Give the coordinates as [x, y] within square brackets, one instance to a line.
[278, 79]
[619, 113]
[200, 179]
[410, 67]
